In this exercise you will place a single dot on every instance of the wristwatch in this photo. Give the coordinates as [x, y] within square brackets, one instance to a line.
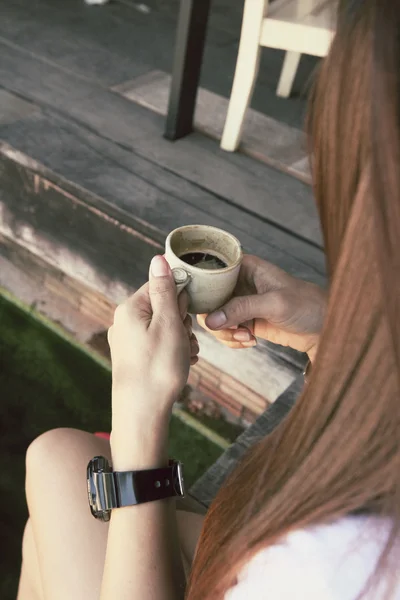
[108, 489]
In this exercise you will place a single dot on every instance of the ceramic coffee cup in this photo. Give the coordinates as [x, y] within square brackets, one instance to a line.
[208, 288]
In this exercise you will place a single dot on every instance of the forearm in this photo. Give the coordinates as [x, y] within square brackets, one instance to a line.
[143, 557]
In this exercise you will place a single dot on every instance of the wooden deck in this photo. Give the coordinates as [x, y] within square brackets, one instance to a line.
[89, 188]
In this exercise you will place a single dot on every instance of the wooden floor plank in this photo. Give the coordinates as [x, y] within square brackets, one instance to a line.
[13, 108]
[78, 38]
[255, 187]
[264, 138]
[116, 42]
[61, 227]
[152, 194]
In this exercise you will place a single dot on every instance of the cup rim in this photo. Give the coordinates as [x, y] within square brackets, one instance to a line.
[237, 262]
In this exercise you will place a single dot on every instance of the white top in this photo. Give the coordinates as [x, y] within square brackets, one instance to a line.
[324, 562]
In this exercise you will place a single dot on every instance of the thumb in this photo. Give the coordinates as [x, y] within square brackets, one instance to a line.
[162, 290]
[239, 310]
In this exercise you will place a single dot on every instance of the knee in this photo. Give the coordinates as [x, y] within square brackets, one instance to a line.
[46, 451]
[59, 452]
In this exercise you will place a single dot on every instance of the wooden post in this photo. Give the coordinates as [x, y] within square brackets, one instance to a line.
[189, 49]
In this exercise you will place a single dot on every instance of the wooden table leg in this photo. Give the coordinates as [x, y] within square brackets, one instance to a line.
[189, 49]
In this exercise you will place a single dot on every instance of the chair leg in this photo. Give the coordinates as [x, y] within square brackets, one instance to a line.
[289, 69]
[245, 74]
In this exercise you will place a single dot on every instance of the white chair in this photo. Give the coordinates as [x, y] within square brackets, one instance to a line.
[297, 26]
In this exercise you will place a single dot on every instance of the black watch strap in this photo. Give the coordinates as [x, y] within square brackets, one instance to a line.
[108, 489]
[136, 487]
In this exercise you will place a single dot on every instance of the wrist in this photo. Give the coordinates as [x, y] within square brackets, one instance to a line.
[139, 450]
[139, 438]
[142, 400]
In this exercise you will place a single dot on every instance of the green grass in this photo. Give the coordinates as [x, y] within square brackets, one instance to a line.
[47, 382]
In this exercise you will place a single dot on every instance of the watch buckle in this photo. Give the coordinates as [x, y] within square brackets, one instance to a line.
[178, 480]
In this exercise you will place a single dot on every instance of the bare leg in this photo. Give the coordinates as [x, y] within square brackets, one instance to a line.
[62, 539]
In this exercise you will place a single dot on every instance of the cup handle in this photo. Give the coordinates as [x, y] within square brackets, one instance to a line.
[181, 278]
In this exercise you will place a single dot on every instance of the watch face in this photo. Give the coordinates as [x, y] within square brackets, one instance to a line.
[95, 487]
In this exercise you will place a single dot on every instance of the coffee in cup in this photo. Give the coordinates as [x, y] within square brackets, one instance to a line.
[206, 261]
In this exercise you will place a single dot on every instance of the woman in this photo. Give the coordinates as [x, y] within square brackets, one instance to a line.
[313, 510]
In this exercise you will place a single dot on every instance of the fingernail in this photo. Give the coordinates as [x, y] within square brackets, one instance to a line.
[159, 267]
[216, 319]
[243, 335]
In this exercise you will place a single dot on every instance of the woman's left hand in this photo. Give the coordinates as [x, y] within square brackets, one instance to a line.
[152, 348]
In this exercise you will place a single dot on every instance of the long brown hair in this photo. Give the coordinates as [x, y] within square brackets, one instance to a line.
[338, 451]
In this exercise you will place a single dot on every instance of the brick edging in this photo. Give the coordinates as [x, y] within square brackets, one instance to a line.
[239, 400]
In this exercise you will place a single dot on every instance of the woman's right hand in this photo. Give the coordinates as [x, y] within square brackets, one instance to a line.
[270, 304]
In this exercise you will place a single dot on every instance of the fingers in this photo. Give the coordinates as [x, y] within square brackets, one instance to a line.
[194, 344]
[238, 338]
[238, 310]
[162, 291]
[194, 349]
[245, 333]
